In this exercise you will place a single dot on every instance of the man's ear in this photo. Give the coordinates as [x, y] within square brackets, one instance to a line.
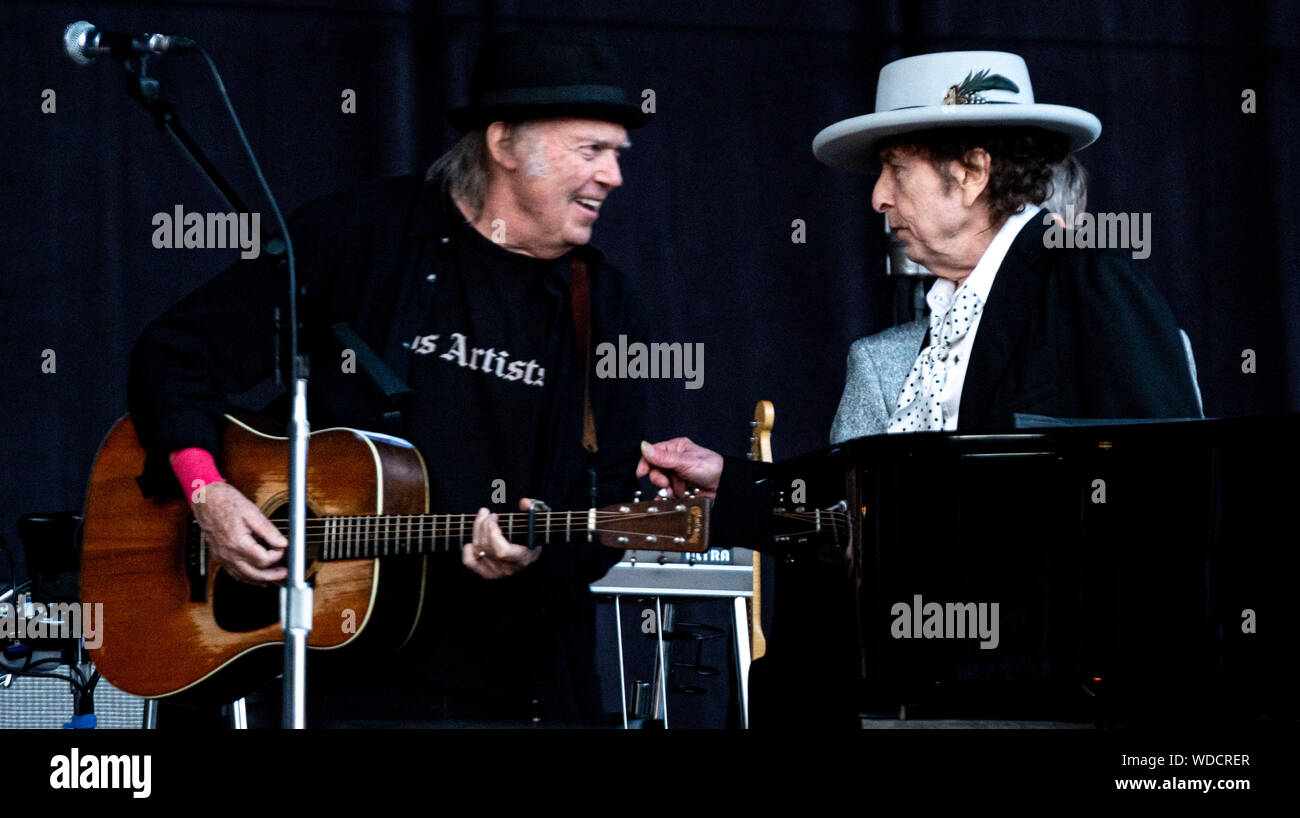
[972, 174]
[501, 145]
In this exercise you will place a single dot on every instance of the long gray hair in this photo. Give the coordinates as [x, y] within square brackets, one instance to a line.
[463, 170]
[1069, 187]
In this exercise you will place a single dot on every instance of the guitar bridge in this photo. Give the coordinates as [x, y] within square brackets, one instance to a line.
[196, 562]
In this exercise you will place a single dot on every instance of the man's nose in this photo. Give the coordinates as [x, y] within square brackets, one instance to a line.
[607, 172]
[881, 196]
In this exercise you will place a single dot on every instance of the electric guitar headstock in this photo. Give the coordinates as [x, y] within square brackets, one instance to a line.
[760, 441]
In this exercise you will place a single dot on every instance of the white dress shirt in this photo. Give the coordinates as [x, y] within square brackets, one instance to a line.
[943, 294]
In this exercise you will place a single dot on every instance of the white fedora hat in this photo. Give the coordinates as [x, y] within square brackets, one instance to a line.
[949, 89]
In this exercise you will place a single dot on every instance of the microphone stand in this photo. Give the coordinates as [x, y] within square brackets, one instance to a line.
[296, 594]
[146, 90]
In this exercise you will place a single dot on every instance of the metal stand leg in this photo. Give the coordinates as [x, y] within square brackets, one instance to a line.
[741, 630]
[149, 719]
[622, 681]
[660, 709]
[238, 715]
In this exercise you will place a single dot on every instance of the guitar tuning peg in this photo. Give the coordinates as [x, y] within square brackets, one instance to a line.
[636, 495]
[662, 493]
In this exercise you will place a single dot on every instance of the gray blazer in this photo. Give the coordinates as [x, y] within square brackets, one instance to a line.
[877, 369]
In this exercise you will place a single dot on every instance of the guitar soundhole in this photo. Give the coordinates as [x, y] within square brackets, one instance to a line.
[239, 607]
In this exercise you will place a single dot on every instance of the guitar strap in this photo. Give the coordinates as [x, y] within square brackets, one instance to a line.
[580, 294]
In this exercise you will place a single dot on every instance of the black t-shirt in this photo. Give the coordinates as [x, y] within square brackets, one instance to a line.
[484, 371]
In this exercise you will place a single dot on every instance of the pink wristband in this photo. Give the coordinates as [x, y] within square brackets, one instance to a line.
[195, 464]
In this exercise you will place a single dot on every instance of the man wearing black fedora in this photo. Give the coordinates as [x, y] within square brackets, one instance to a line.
[476, 284]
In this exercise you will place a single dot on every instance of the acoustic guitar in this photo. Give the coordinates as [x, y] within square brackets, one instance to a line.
[175, 622]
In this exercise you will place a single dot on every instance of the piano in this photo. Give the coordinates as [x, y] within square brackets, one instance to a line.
[1102, 575]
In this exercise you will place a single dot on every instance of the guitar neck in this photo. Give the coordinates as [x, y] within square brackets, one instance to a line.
[367, 536]
[661, 524]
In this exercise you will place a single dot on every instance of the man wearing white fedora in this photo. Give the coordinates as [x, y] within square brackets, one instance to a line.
[963, 152]
[878, 364]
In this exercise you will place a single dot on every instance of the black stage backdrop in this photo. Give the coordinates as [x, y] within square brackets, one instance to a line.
[712, 186]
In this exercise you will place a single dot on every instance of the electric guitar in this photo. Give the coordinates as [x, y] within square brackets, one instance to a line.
[760, 448]
[174, 621]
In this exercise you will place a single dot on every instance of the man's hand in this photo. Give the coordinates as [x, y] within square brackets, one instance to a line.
[491, 555]
[679, 465]
[242, 539]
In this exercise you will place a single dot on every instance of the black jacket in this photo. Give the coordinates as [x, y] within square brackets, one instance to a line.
[1068, 333]
[377, 258]
[1073, 333]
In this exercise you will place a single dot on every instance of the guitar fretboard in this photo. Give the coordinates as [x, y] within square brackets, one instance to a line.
[367, 536]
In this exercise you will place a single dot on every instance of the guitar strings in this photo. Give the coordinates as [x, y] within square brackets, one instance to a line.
[424, 519]
[389, 531]
[393, 525]
[352, 521]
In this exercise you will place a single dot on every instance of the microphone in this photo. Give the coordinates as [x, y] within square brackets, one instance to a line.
[83, 42]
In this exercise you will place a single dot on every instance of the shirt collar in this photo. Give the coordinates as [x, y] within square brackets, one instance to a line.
[943, 292]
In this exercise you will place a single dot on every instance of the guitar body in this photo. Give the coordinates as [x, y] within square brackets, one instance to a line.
[212, 639]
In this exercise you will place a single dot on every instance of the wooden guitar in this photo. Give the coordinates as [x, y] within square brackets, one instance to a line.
[174, 621]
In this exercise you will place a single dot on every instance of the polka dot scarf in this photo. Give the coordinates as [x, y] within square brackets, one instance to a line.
[920, 405]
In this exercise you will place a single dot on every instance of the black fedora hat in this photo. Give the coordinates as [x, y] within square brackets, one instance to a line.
[532, 74]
